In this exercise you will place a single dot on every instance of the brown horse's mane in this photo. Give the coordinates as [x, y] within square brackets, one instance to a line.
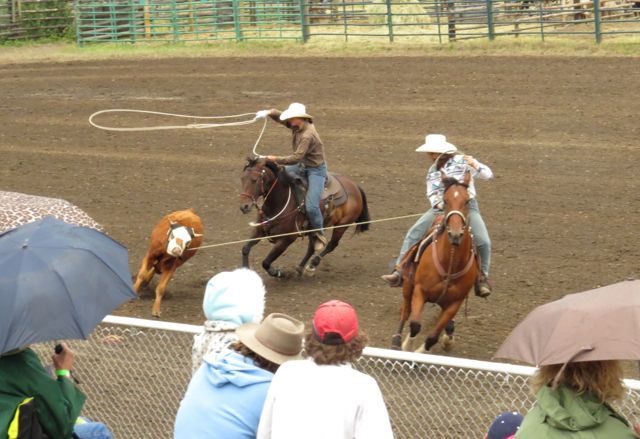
[451, 181]
[253, 161]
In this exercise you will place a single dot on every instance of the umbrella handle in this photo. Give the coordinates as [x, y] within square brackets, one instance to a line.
[58, 350]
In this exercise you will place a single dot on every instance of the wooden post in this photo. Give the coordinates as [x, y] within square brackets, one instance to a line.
[451, 17]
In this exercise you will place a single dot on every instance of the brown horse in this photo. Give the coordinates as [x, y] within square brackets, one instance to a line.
[266, 186]
[445, 272]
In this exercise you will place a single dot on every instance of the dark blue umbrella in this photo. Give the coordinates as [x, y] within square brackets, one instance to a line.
[58, 281]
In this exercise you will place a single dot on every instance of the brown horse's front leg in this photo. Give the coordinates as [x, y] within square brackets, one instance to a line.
[246, 249]
[279, 248]
[417, 305]
[145, 273]
[446, 316]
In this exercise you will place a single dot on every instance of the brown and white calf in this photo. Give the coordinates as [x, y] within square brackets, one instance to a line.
[174, 240]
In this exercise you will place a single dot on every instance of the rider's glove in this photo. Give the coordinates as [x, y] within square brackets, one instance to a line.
[262, 114]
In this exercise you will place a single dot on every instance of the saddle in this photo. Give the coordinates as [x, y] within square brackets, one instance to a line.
[334, 194]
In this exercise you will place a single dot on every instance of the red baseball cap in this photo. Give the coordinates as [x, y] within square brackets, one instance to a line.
[335, 322]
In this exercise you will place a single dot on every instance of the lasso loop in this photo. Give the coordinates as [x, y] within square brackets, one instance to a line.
[173, 127]
[187, 126]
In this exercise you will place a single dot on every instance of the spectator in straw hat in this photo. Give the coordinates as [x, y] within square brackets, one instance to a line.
[573, 401]
[446, 160]
[231, 299]
[307, 161]
[226, 394]
[504, 426]
[323, 396]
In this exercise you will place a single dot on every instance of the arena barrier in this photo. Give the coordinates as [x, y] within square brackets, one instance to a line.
[136, 371]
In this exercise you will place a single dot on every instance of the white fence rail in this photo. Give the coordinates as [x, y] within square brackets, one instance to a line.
[135, 372]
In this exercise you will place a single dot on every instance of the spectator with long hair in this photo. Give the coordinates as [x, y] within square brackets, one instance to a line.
[574, 401]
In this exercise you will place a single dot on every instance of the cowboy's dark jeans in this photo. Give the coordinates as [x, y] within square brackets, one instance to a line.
[316, 178]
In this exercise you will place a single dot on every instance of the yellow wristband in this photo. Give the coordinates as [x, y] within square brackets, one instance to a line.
[63, 372]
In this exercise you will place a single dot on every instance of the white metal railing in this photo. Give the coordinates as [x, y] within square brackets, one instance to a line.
[135, 373]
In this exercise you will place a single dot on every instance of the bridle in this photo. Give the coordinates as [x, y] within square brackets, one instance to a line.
[254, 201]
[445, 222]
[252, 197]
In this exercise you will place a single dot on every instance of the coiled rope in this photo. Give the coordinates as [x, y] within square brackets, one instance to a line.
[177, 127]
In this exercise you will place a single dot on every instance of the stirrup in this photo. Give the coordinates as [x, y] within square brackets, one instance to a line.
[394, 279]
[320, 242]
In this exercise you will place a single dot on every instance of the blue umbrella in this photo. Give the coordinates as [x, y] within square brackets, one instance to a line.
[58, 281]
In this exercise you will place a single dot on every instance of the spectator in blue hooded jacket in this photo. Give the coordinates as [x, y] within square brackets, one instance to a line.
[226, 394]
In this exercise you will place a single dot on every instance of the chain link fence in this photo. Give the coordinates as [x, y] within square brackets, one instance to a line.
[135, 373]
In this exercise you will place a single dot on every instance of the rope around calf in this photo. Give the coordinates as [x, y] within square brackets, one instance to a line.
[304, 232]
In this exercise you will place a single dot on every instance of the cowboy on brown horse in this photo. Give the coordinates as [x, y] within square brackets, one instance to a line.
[445, 160]
[307, 161]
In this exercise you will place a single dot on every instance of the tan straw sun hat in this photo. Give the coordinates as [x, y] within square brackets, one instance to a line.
[295, 110]
[436, 143]
[278, 338]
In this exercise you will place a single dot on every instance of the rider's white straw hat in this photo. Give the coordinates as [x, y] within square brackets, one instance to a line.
[436, 143]
[295, 110]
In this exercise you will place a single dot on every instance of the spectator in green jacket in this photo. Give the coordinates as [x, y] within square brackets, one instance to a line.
[575, 403]
[24, 382]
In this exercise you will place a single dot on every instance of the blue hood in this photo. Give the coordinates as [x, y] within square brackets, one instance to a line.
[229, 367]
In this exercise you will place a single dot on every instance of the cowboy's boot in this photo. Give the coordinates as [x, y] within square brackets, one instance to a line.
[394, 279]
[483, 287]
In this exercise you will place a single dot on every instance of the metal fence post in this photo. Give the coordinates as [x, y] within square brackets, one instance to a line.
[390, 20]
[303, 21]
[236, 19]
[541, 19]
[344, 20]
[490, 26]
[597, 20]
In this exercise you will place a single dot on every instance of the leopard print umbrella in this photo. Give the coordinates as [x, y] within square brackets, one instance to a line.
[17, 209]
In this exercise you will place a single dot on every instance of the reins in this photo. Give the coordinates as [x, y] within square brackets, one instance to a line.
[264, 200]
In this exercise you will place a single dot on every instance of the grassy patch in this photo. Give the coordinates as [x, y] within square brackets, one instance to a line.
[505, 46]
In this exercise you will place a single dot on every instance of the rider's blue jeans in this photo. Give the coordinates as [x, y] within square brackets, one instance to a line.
[316, 178]
[479, 229]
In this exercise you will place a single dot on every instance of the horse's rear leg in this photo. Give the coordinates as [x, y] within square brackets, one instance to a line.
[333, 243]
[445, 317]
[417, 305]
[279, 248]
[404, 316]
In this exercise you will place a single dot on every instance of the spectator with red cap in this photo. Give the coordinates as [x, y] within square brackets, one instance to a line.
[323, 396]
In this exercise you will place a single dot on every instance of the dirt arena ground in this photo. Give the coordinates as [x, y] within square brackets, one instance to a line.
[561, 135]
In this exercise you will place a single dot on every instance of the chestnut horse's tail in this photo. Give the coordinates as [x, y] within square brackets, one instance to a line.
[364, 214]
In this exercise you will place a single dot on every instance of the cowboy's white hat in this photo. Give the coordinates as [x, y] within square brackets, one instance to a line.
[436, 143]
[295, 110]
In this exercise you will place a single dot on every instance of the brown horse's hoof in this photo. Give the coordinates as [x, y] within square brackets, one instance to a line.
[396, 341]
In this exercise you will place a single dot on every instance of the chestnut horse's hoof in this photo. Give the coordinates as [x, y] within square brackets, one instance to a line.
[396, 341]
[447, 342]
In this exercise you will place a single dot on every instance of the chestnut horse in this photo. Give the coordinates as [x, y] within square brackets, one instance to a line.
[445, 272]
[266, 187]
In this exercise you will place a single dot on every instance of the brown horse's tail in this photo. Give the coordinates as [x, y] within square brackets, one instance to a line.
[364, 214]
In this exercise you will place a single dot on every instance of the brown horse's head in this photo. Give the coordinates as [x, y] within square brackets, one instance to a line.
[455, 198]
[257, 177]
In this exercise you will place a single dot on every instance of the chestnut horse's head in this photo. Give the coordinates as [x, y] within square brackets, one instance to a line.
[455, 199]
[257, 177]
